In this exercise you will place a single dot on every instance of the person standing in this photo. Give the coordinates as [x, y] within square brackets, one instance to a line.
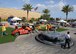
[67, 40]
[48, 27]
[23, 26]
[3, 30]
[16, 27]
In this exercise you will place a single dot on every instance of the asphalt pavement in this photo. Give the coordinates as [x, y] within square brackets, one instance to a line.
[26, 44]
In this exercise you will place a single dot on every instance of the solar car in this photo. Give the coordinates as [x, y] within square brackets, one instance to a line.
[19, 31]
[52, 38]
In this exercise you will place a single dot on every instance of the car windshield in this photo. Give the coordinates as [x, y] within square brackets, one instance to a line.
[54, 34]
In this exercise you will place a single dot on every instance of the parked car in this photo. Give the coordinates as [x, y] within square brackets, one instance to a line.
[14, 23]
[0, 24]
[73, 24]
[4, 23]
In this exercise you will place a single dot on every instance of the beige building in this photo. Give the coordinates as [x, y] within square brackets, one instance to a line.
[6, 12]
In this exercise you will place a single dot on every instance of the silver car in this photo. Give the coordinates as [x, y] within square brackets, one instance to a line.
[52, 38]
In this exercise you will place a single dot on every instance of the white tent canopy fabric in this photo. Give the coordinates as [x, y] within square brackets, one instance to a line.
[15, 19]
[43, 20]
[62, 21]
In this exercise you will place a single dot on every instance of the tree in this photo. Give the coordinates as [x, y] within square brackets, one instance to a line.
[0, 19]
[23, 19]
[28, 8]
[46, 14]
[46, 11]
[57, 19]
[66, 9]
[32, 19]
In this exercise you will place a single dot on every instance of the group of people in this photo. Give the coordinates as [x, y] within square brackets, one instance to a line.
[48, 27]
[24, 27]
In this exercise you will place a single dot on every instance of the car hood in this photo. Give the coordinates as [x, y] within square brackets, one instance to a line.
[53, 34]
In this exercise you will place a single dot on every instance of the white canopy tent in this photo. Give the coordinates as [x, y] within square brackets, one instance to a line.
[62, 21]
[15, 19]
[43, 20]
[75, 22]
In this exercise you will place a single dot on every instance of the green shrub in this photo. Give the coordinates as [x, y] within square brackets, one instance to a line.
[4, 19]
[24, 19]
[32, 19]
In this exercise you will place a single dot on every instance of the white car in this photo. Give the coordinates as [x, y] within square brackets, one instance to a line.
[15, 24]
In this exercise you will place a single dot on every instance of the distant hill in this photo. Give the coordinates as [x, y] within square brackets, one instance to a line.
[6, 12]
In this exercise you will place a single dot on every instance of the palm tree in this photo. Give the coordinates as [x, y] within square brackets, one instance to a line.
[46, 14]
[28, 8]
[46, 11]
[66, 9]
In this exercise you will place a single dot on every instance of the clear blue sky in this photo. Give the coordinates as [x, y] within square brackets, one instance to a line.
[54, 6]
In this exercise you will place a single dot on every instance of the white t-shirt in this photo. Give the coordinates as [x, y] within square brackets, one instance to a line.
[67, 36]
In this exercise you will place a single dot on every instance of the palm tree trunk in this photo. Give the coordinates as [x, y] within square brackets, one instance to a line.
[66, 16]
[27, 15]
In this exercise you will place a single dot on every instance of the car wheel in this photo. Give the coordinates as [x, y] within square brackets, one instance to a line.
[17, 34]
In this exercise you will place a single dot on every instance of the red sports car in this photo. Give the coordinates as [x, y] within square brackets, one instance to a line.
[19, 31]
